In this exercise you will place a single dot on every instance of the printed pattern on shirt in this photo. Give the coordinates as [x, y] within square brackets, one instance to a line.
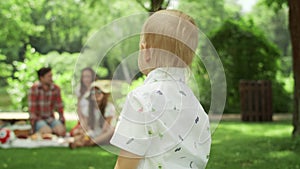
[177, 134]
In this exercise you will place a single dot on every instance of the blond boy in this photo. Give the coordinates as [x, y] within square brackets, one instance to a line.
[162, 124]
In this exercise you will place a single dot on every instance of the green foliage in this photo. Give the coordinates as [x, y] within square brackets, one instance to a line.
[271, 16]
[56, 17]
[45, 25]
[275, 4]
[5, 102]
[285, 82]
[23, 78]
[246, 54]
[5, 68]
[208, 14]
[15, 15]
[119, 55]
[274, 24]
[202, 87]
[50, 25]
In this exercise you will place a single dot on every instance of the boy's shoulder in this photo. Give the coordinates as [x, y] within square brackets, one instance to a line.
[146, 89]
[143, 93]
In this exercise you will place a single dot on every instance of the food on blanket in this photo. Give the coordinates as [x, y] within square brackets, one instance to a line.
[21, 129]
[21, 122]
[39, 136]
[22, 136]
[47, 136]
[22, 133]
[35, 136]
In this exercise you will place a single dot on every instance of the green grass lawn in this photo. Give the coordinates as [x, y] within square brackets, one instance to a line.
[239, 145]
[236, 145]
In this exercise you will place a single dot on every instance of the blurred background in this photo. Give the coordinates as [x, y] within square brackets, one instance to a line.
[251, 37]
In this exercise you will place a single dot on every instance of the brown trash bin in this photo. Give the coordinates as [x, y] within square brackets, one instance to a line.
[256, 100]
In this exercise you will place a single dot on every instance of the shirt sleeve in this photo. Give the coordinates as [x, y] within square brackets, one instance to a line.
[59, 105]
[77, 91]
[131, 134]
[32, 105]
[155, 121]
[110, 110]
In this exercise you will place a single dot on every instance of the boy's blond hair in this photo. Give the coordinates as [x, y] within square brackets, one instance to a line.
[171, 37]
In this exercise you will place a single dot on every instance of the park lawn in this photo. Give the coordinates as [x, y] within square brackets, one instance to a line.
[56, 158]
[236, 145]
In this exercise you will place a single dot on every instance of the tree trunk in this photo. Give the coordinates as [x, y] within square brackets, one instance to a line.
[156, 5]
[294, 26]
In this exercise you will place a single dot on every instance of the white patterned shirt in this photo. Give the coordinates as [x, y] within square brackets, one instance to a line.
[164, 122]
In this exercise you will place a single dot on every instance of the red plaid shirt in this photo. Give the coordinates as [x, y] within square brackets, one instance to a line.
[42, 104]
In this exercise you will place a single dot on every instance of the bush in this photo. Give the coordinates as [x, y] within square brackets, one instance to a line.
[247, 54]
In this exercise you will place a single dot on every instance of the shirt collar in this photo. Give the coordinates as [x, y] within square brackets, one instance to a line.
[41, 87]
[167, 74]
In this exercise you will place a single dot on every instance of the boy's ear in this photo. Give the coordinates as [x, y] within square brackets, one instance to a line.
[147, 53]
[143, 45]
[147, 56]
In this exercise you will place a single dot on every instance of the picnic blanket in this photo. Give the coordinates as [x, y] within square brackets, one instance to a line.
[29, 143]
[17, 136]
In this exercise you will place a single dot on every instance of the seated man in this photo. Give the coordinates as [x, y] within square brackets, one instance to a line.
[43, 100]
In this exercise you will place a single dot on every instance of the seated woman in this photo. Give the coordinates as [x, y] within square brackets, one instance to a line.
[96, 120]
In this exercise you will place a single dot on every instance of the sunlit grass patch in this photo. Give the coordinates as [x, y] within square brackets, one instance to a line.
[254, 145]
